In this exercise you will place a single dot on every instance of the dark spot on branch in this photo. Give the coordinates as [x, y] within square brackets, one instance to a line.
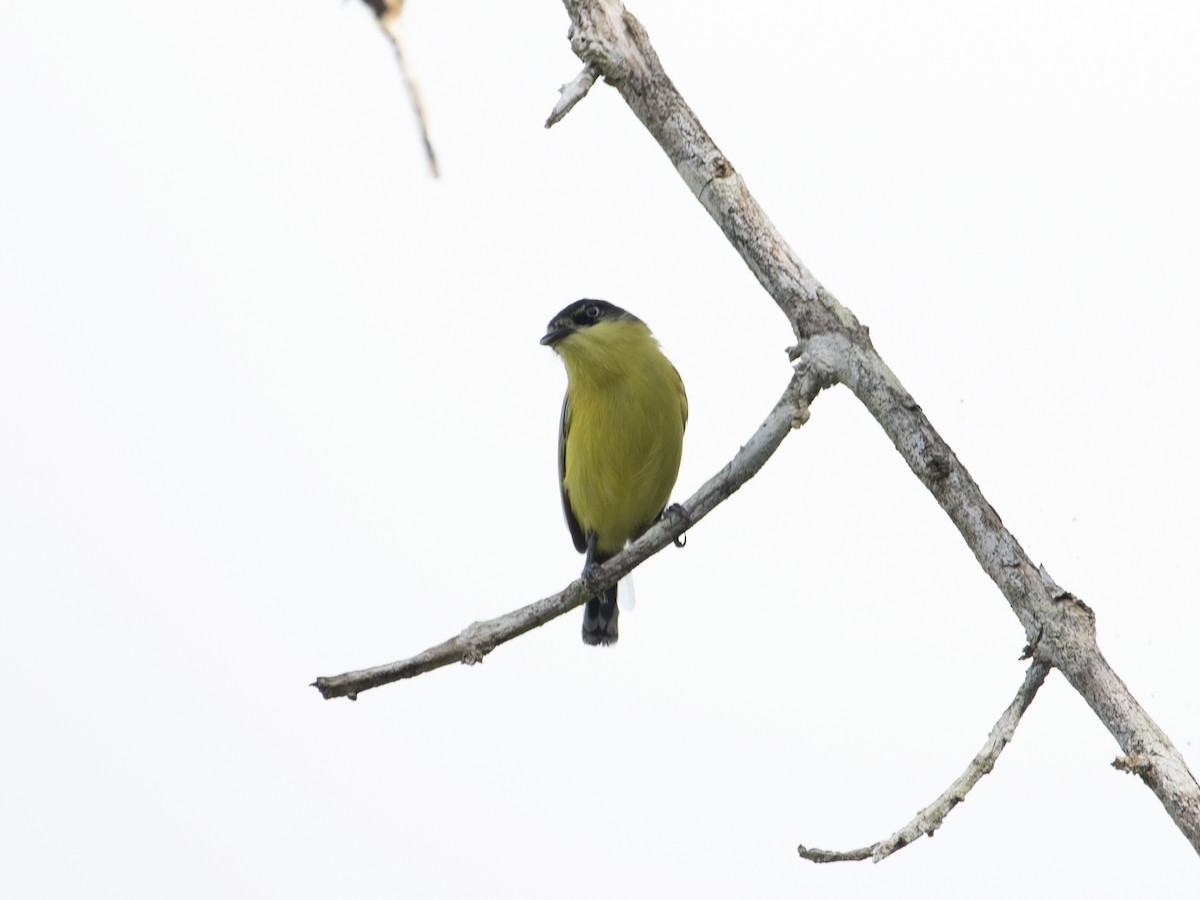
[1068, 597]
[721, 167]
[937, 466]
[1032, 646]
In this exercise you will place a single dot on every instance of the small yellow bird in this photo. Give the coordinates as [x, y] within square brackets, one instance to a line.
[620, 440]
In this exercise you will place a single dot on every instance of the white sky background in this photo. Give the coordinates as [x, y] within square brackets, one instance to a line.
[272, 405]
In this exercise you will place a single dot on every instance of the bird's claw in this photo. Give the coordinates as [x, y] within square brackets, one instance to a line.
[676, 511]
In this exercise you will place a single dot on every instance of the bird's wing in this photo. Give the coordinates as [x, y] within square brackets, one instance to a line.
[683, 404]
[572, 523]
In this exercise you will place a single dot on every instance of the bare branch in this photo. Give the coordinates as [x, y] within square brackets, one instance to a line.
[572, 92]
[603, 33]
[479, 639]
[388, 13]
[930, 819]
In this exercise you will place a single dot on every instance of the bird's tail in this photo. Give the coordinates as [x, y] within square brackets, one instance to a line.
[600, 619]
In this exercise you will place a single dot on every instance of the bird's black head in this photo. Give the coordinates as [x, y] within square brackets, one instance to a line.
[581, 314]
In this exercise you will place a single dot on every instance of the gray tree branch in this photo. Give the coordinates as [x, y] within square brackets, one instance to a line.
[477, 640]
[930, 819]
[1060, 629]
[571, 93]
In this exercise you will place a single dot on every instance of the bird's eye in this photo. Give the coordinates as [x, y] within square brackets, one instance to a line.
[592, 312]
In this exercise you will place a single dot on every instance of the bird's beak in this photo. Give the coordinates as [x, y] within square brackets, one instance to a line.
[556, 333]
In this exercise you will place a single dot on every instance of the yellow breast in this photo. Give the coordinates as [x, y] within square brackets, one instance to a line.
[626, 410]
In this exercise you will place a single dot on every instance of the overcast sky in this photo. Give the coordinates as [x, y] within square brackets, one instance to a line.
[272, 406]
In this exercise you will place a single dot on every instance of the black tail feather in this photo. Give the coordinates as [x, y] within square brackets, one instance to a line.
[600, 619]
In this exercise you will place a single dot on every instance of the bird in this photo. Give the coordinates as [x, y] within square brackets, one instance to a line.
[620, 438]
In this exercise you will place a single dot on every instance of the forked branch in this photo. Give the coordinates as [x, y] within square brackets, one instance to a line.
[831, 347]
[606, 35]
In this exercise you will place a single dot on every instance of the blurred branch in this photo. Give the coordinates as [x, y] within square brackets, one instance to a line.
[928, 820]
[479, 639]
[388, 14]
[1060, 630]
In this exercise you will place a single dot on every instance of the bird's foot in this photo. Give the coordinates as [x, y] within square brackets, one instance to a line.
[590, 576]
[677, 512]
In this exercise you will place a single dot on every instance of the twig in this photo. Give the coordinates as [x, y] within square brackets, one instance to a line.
[928, 820]
[572, 92]
[388, 13]
[477, 640]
